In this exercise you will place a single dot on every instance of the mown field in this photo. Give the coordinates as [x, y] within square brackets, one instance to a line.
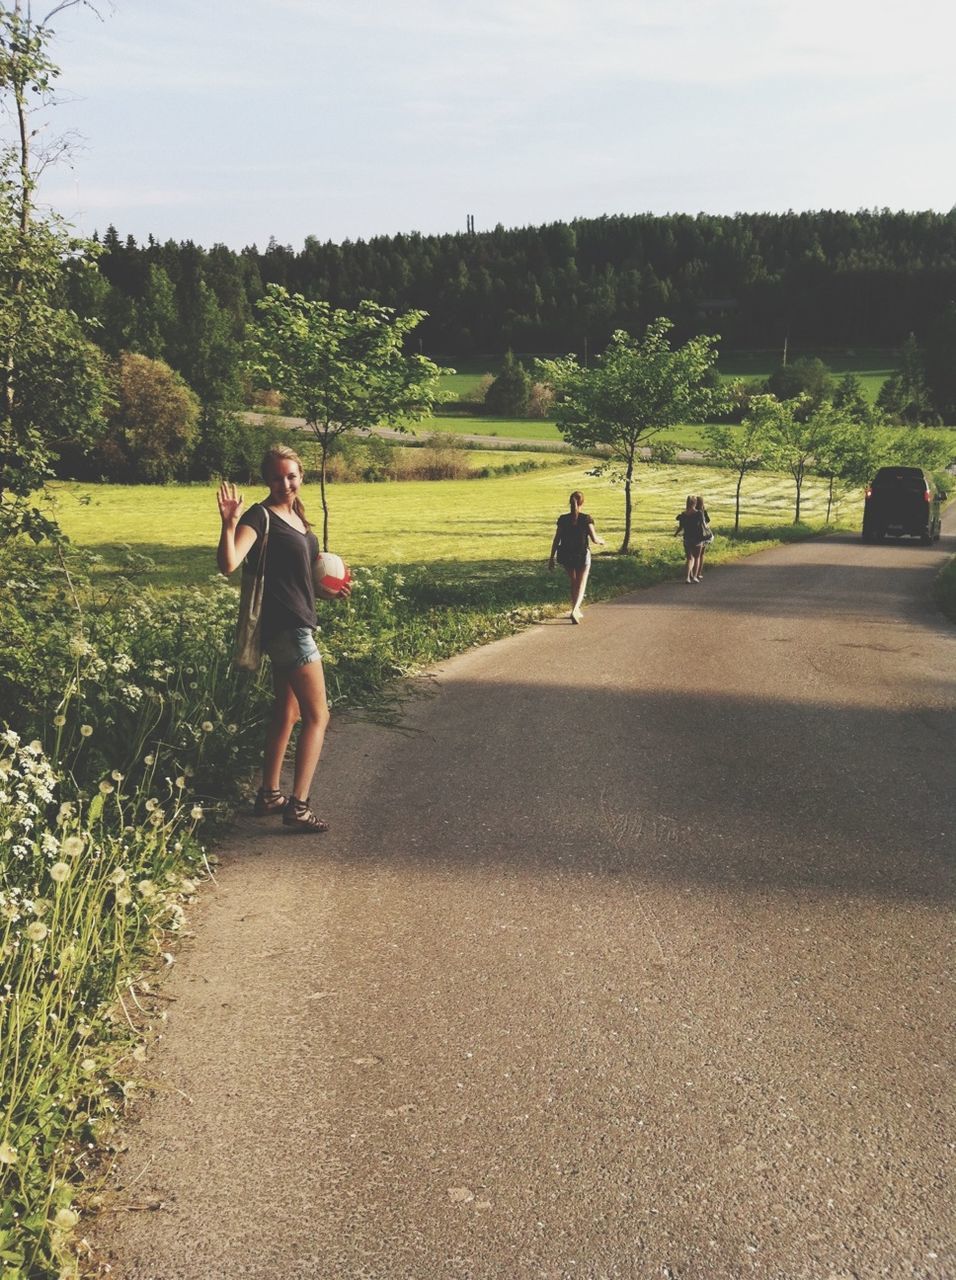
[455, 528]
[871, 364]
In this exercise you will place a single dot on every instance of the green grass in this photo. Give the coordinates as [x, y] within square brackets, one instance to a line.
[449, 526]
[504, 428]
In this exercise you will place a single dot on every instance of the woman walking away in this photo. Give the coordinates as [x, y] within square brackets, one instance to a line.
[708, 536]
[571, 548]
[288, 622]
[690, 523]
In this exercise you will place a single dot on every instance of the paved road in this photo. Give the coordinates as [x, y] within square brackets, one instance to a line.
[628, 959]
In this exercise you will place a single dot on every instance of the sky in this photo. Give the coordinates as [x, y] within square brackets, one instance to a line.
[233, 121]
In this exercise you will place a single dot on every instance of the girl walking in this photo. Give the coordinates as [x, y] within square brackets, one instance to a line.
[691, 524]
[708, 536]
[288, 623]
[571, 548]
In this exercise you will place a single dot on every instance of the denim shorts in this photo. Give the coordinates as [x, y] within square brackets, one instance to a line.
[293, 648]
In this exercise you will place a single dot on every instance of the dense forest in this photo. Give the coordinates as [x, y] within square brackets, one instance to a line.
[822, 280]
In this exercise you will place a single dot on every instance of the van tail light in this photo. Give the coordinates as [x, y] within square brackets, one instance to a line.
[928, 496]
[869, 491]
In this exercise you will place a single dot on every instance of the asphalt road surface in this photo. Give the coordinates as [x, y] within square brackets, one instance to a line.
[627, 958]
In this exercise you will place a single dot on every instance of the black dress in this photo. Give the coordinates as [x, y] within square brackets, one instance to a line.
[692, 526]
[573, 538]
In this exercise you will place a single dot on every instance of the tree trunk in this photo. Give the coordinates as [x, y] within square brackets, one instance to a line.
[323, 441]
[628, 475]
[796, 513]
[829, 499]
[740, 480]
[18, 84]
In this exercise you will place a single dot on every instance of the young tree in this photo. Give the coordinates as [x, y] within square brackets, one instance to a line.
[848, 453]
[636, 389]
[510, 392]
[740, 451]
[796, 435]
[341, 370]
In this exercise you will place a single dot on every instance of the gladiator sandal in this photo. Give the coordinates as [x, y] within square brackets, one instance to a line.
[299, 817]
[268, 801]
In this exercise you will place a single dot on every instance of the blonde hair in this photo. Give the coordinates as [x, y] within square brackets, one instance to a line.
[282, 453]
[575, 502]
[699, 502]
[691, 504]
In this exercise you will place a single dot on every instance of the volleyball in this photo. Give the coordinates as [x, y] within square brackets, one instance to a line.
[329, 572]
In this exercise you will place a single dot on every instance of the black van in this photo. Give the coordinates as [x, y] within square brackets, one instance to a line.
[901, 501]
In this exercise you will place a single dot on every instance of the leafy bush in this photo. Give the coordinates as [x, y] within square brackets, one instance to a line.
[87, 890]
[104, 676]
[541, 400]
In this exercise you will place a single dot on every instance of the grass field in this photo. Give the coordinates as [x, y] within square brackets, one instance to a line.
[454, 527]
[504, 428]
[872, 365]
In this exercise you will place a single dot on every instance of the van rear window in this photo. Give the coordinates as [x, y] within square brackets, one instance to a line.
[904, 478]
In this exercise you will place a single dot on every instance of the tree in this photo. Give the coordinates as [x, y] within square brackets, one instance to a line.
[152, 423]
[796, 436]
[740, 451]
[808, 377]
[905, 395]
[636, 389]
[849, 399]
[848, 453]
[510, 392]
[52, 385]
[342, 370]
[155, 320]
[940, 364]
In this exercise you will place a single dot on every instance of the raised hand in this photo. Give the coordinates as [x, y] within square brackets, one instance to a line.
[230, 503]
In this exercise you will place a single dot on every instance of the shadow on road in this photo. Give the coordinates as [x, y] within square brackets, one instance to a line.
[754, 794]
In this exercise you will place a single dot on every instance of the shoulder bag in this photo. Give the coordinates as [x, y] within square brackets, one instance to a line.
[248, 651]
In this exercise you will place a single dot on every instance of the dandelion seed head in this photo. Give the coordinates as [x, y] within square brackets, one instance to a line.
[123, 896]
[36, 931]
[86, 730]
[207, 726]
[106, 788]
[8, 1153]
[72, 847]
[60, 872]
[149, 759]
[59, 721]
